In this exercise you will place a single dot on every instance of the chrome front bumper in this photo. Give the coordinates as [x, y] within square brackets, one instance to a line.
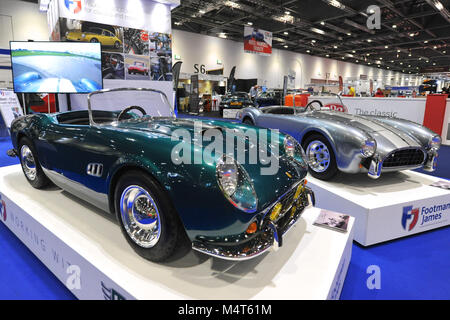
[376, 165]
[270, 236]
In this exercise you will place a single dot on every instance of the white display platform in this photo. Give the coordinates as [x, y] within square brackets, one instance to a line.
[379, 205]
[63, 231]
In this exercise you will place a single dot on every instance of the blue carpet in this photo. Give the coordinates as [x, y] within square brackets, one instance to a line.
[416, 267]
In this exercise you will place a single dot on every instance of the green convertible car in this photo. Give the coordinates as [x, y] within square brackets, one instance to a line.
[127, 164]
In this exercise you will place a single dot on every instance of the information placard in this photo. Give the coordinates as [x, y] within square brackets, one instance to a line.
[9, 106]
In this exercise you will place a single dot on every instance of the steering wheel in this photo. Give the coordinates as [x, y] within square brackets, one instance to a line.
[127, 109]
[309, 105]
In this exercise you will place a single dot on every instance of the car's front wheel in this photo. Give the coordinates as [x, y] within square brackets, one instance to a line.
[117, 44]
[94, 40]
[320, 157]
[30, 164]
[147, 217]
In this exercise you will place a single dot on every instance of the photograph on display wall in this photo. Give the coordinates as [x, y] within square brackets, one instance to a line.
[110, 37]
[135, 41]
[113, 65]
[137, 67]
[161, 56]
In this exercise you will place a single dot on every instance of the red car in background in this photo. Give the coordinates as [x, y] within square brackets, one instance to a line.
[138, 67]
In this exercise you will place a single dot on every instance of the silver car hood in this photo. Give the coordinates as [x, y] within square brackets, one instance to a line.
[388, 137]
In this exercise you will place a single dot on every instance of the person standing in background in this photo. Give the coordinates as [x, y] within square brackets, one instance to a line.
[253, 92]
[351, 91]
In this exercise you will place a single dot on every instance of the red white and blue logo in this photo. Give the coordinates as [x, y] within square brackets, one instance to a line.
[74, 6]
[409, 217]
[2, 209]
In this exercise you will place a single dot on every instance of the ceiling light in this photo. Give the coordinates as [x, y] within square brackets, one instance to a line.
[286, 46]
[399, 51]
[202, 11]
[386, 47]
[313, 41]
[444, 51]
[287, 13]
[435, 47]
[349, 34]
[322, 23]
[409, 66]
[434, 63]
[250, 23]
[369, 63]
[438, 5]
[367, 54]
[343, 58]
[381, 58]
[357, 61]
[394, 26]
[388, 67]
[401, 63]
[327, 55]
[232, 4]
[223, 35]
[411, 34]
[285, 33]
[426, 41]
[392, 61]
[335, 47]
[353, 51]
[178, 23]
[336, 4]
[308, 51]
[317, 31]
[369, 40]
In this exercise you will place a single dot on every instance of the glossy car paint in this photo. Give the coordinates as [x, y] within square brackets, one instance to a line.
[66, 150]
[345, 132]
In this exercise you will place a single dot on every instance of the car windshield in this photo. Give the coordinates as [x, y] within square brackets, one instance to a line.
[331, 102]
[145, 102]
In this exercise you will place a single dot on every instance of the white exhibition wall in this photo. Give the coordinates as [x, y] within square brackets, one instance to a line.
[20, 21]
[201, 49]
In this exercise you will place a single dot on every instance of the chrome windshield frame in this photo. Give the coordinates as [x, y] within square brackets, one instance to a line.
[91, 117]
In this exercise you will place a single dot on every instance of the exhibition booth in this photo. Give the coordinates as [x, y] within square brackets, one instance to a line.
[140, 202]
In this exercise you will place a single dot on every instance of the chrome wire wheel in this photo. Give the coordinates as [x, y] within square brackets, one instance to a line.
[140, 216]
[28, 163]
[318, 156]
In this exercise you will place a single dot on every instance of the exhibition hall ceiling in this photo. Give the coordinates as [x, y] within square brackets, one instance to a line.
[410, 36]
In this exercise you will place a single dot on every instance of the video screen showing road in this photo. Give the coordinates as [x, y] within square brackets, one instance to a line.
[56, 67]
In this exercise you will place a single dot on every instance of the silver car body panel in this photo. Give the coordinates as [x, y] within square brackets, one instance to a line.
[346, 133]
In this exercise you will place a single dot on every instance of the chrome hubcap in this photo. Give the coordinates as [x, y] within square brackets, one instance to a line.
[28, 163]
[140, 216]
[318, 156]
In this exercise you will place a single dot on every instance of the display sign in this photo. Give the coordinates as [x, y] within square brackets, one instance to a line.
[138, 14]
[9, 107]
[257, 41]
[135, 40]
[409, 109]
[56, 67]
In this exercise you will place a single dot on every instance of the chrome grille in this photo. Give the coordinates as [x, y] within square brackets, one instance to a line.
[404, 158]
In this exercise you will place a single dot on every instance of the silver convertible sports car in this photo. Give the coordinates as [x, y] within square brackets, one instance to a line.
[338, 141]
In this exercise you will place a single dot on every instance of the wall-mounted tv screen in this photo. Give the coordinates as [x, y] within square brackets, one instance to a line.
[56, 67]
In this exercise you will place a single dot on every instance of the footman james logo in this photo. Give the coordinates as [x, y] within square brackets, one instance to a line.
[73, 6]
[2, 209]
[424, 216]
[410, 217]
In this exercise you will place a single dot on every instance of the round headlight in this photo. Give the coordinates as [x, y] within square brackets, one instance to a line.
[83, 35]
[289, 146]
[228, 174]
[236, 185]
[368, 148]
[435, 143]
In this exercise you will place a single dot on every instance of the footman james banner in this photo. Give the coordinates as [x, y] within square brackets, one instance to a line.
[257, 41]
